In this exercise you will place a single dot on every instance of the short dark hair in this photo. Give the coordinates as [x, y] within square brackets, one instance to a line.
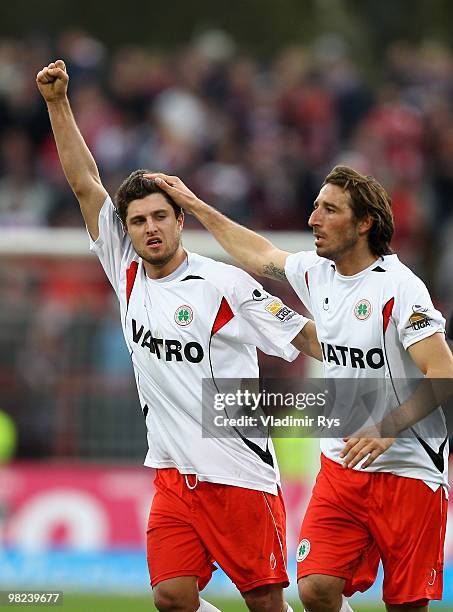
[368, 199]
[136, 187]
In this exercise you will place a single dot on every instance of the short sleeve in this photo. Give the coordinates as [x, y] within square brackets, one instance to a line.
[265, 321]
[113, 244]
[297, 272]
[414, 313]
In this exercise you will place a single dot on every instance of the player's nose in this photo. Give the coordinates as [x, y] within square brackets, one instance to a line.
[314, 218]
[150, 226]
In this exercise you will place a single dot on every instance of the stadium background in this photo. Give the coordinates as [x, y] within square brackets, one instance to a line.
[251, 103]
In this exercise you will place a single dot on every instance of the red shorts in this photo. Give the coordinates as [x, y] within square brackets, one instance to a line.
[242, 530]
[355, 518]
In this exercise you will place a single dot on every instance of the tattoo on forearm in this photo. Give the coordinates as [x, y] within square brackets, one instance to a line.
[274, 272]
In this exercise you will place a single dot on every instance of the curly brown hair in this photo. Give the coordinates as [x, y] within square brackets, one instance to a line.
[136, 187]
[368, 199]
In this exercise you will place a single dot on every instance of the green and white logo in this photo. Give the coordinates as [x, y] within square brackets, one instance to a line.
[184, 315]
[303, 550]
[362, 310]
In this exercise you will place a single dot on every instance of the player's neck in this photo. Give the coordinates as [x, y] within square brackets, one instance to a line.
[355, 261]
[161, 271]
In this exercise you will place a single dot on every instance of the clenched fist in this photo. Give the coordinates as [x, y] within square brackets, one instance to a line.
[52, 81]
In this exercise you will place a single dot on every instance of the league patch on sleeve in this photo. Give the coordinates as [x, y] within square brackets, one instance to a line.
[418, 319]
[279, 310]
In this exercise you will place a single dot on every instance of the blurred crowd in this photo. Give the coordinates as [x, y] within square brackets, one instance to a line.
[253, 137]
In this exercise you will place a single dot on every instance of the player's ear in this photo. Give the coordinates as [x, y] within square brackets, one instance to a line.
[366, 224]
[180, 220]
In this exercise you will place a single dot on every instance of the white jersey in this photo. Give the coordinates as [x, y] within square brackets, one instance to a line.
[365, 324]
[204, 321]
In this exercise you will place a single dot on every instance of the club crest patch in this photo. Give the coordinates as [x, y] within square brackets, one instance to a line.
[184, 315]
[362, 310]
[303, 550]
[272, 561]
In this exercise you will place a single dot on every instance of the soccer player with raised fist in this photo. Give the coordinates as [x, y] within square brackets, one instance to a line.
[187, 318]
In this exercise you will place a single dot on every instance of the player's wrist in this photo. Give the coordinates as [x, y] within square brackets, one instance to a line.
[198, 207]
[57, 102]
[393, 424]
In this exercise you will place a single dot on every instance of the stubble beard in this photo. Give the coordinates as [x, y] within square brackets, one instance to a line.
[161, 260]
[338, 252]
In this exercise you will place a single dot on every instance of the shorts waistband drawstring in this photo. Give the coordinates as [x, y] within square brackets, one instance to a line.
[186, 477]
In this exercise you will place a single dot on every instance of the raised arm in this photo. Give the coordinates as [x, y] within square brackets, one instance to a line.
[251, 250]
[76, 160]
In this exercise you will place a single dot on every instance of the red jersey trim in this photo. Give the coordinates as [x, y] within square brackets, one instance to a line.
[387, 313]
[131, 273]
[306, 281]
[224, 315]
